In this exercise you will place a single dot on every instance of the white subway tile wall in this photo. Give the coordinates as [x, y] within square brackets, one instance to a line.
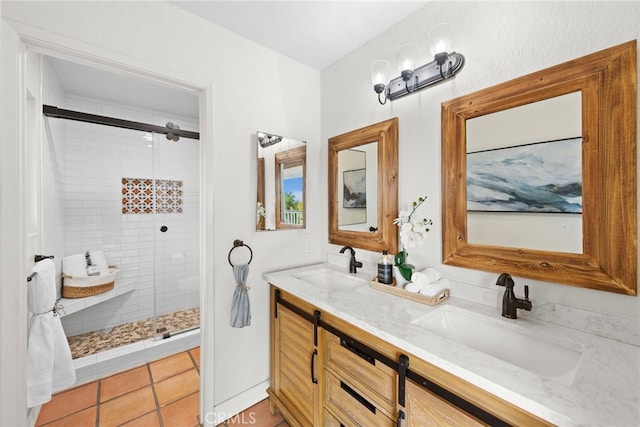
[85, 164]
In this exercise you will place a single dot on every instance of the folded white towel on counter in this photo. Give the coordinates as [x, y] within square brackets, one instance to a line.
[420, 279]
[433, 289]
[426, 276]
[413, 287]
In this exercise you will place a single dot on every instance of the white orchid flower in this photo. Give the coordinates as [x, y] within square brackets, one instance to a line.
[412, 232]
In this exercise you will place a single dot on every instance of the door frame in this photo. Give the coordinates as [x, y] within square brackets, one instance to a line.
[17, 40]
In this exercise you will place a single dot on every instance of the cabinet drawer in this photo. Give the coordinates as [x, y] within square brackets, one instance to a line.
[426, 409]
[372, 374]
[330, 421]
[342, 397]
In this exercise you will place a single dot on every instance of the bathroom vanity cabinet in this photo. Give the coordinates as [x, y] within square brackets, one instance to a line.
[327, 372]
[294, 352]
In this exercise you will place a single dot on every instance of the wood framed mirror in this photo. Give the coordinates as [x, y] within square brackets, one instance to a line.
[605, 256]
[363, 187]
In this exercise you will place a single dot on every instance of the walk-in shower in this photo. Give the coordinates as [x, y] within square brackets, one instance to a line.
[114, 181]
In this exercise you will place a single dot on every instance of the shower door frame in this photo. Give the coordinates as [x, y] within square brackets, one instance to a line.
[20, 40]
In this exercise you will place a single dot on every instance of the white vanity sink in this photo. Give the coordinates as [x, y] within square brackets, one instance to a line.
[505, 340]
[329, 280]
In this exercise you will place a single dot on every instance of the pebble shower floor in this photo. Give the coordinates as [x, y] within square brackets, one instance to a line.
[94, 342]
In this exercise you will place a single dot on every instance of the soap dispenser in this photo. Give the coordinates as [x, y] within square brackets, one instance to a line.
[385, 269]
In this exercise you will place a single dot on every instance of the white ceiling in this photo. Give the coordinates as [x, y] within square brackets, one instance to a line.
[316, 33]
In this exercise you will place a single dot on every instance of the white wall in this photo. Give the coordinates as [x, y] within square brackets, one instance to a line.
[253, 89]
[500, 41]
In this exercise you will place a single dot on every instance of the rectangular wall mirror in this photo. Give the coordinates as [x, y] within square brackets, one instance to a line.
[281, 182]
[363, 187]
[539, 174]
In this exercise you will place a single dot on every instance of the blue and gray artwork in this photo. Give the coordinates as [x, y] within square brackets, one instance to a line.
[541, 177]
[354, 188]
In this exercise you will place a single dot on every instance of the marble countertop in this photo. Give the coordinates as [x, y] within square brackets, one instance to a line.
[605, 390]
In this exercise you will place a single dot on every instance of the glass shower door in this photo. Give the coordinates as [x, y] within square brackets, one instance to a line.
[176, 235]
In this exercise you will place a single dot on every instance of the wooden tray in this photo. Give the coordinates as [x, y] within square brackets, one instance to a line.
[414, 296]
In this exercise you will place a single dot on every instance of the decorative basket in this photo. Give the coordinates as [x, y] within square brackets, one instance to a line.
[87, 286]
[414, 296]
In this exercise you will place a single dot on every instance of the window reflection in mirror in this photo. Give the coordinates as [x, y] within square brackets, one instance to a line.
[358, 188]
[281, 182]
[524, 176]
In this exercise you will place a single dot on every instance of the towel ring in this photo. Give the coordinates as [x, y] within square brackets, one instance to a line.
[236, 244]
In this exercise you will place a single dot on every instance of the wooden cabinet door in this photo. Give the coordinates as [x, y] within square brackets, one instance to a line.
[425, 409]
[294, 377]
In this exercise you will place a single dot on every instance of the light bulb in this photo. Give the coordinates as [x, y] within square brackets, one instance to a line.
[440, 38]
[379, 74]
[406, 60]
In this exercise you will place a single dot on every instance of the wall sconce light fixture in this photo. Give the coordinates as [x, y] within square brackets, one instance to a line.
[444, 65]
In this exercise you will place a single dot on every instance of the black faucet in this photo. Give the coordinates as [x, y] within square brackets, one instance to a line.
[353, 264]
[510, 303]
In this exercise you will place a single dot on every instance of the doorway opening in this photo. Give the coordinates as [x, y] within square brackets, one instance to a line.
[116, 186]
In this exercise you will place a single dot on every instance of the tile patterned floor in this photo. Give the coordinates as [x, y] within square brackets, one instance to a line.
[256, 416]
[164, 393]
[128, 333]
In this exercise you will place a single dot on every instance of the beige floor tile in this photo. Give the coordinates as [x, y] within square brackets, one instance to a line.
[182, 413]
[130, 399]
[148, 420]
[170, 366]
[127, 407]
[68, 402]
[86, 417]
[257, 416]
[124, 382]
[177, 386]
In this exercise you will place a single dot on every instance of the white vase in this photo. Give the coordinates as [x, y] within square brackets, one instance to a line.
[400, 281]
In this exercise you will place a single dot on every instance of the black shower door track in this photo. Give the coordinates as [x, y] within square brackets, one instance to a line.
[60, 113]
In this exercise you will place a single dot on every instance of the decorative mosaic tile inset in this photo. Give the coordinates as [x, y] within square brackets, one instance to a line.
[143, 196]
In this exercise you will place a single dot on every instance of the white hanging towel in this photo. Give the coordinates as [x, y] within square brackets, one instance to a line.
[49, 362]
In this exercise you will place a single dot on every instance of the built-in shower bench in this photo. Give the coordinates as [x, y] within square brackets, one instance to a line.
[73, 305]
